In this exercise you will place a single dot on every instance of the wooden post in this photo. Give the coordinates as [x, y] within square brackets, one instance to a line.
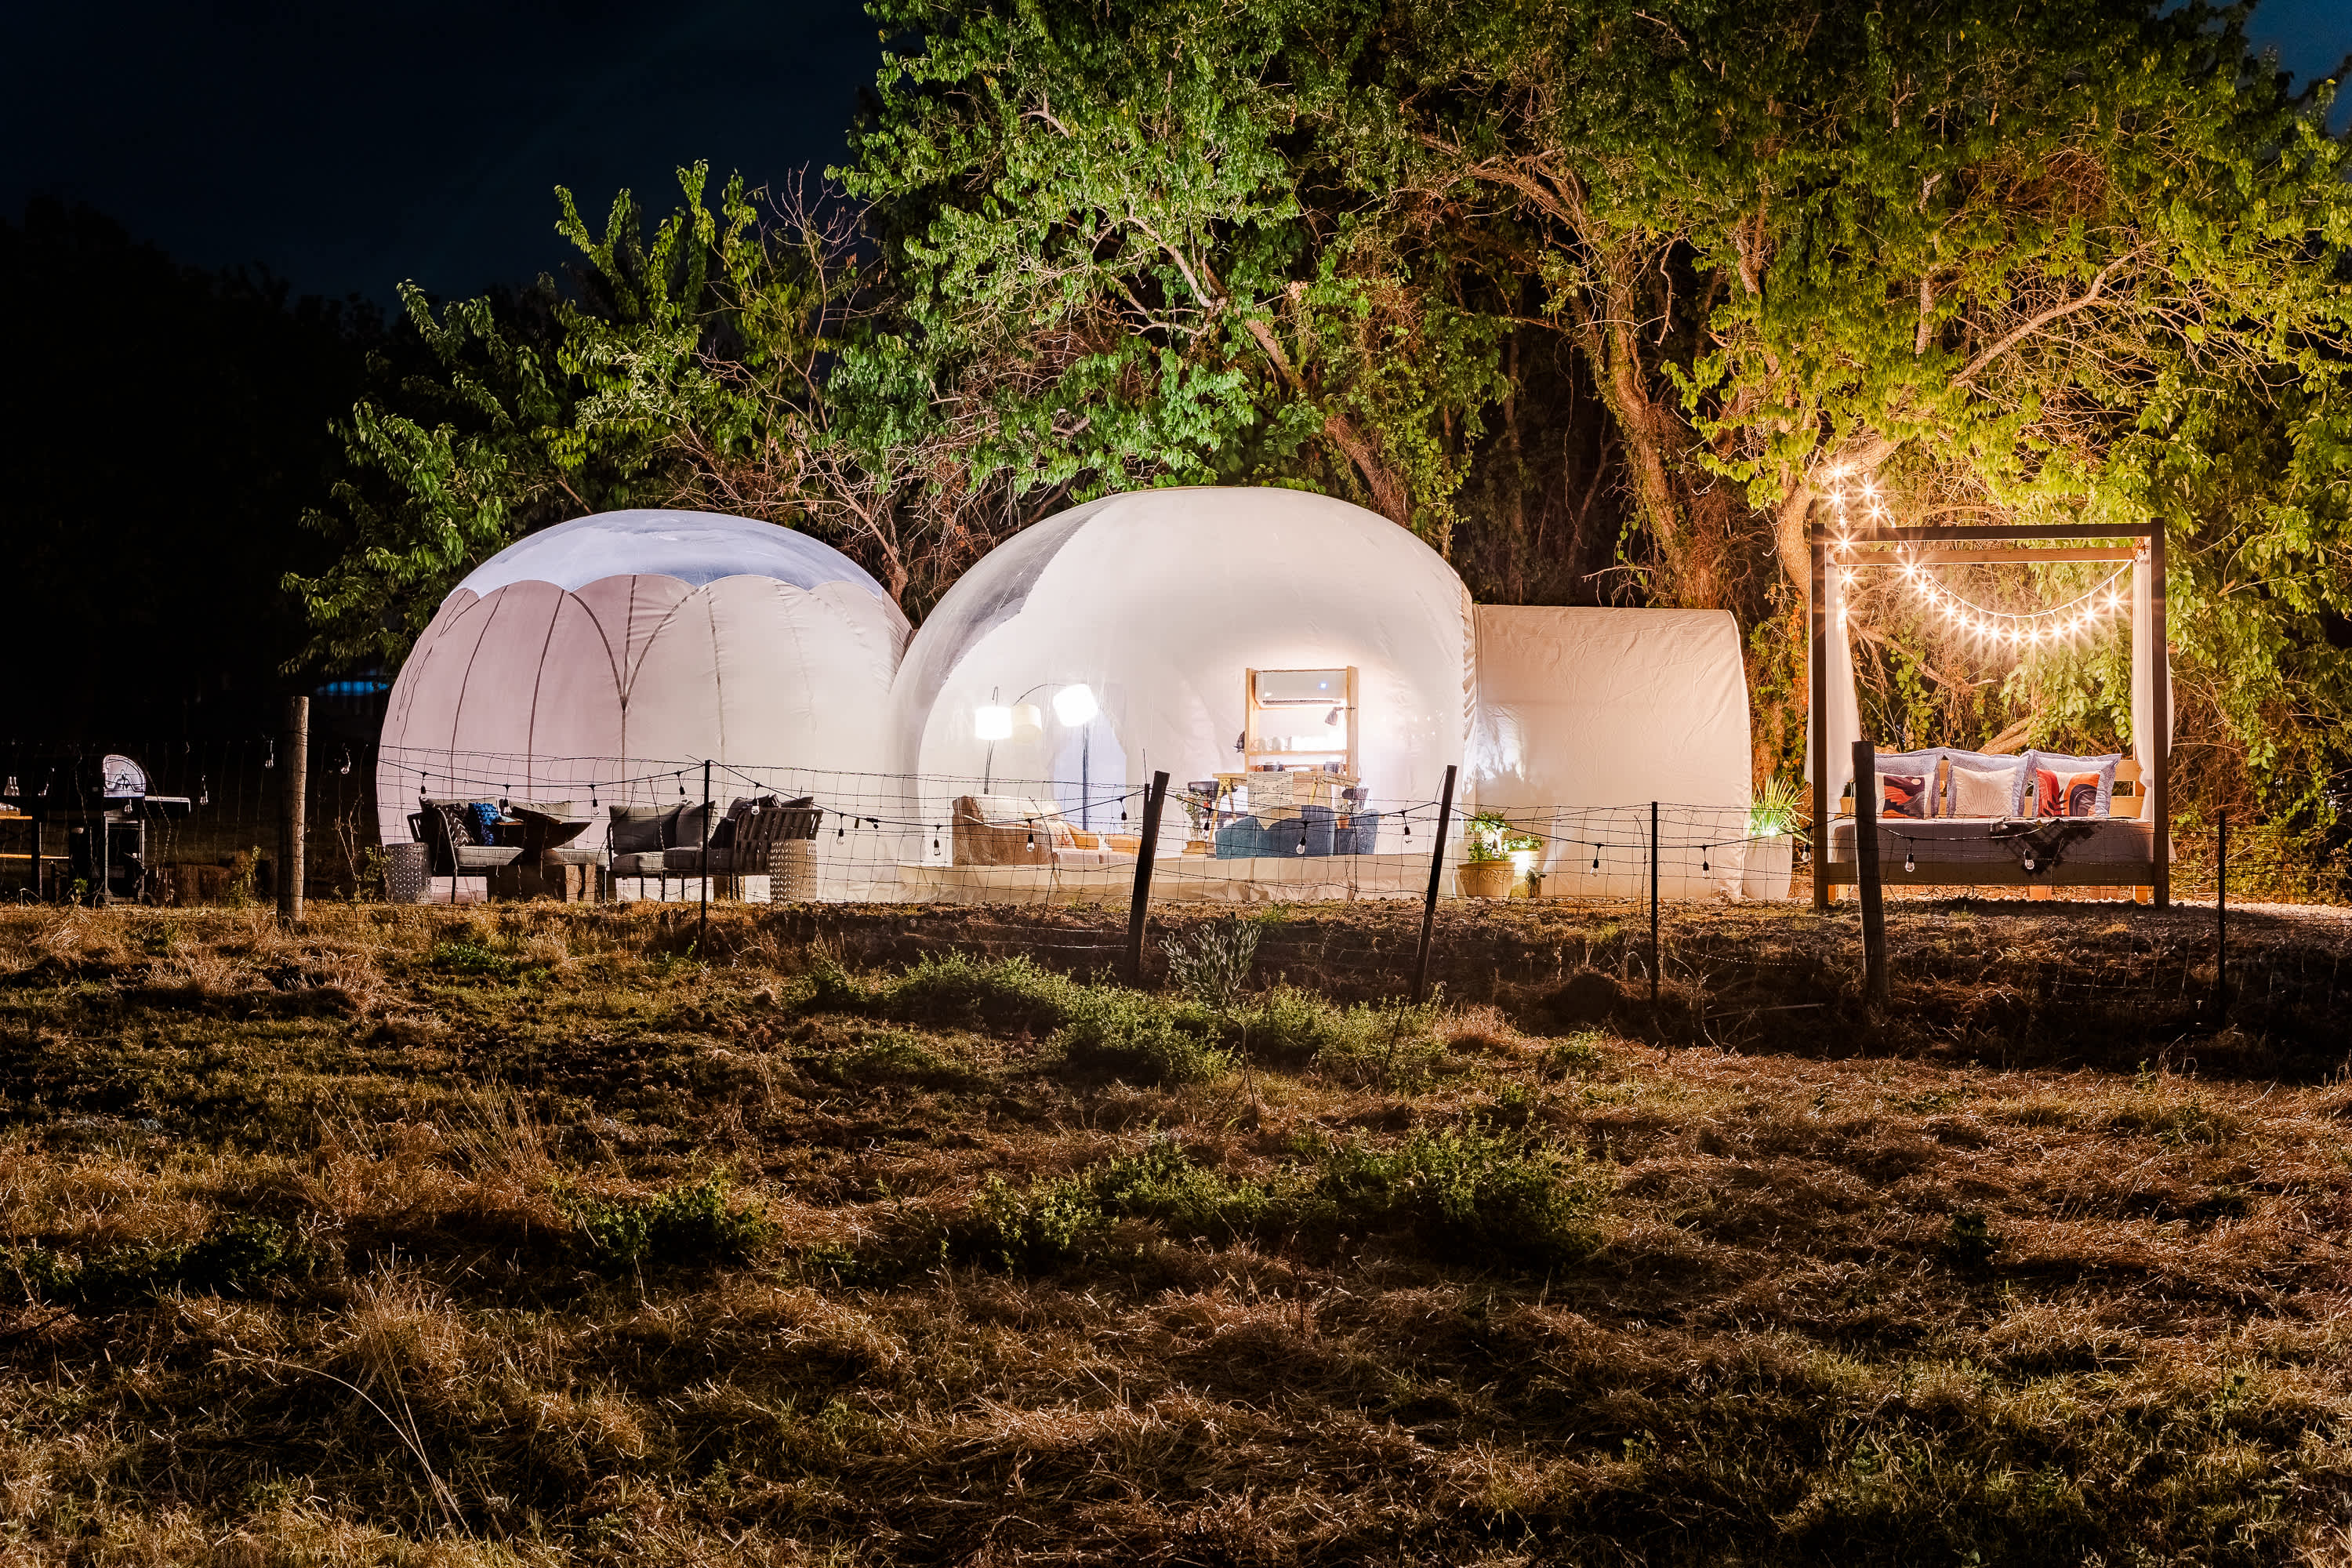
[1866, 869]
[1653, 903]
[1436, 874]
[702, 925]
[1139, 909]
[2221, 926]
[294, 786]
[1817, 717]
[2160, 744]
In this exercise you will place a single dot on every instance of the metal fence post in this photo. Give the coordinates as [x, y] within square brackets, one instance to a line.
[1876, 983]
[1436, 874]
[1653, 903]
[1139, 909]
[702, 927]
[294, 787]
[2221, 925]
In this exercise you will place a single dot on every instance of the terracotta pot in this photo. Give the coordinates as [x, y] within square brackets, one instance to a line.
[1487, 879]
[1766, 874]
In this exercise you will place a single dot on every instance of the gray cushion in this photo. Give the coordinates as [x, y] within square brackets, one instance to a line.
[639, 863]
[636, 828]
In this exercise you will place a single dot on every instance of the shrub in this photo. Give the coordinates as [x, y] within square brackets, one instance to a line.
[238, 1255]
[902, 1058]
[1971, 1241]
[832, 989]
[1470, 1194]
[686, 1222]
[1005, 994]
[1463, 1193]
[466, 955]
[1056, 1222]
[1214, 964]
[1568, 1057]
[1132, 1035]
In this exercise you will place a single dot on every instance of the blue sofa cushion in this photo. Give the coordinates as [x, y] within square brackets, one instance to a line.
[1238, 839]
[1319, 823]
[1360, 837]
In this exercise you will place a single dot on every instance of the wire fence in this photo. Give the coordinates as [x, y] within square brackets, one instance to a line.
[661, 829]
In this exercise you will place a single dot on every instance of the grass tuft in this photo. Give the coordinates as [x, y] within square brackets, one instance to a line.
[683, 1224]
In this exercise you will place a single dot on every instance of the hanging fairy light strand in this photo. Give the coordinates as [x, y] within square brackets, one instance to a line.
[2013, 628]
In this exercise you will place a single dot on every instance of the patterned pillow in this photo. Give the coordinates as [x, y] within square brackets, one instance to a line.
[1927, 762]
[1904, 795]
[484, 817]
[2065, 795]
[2056, 762]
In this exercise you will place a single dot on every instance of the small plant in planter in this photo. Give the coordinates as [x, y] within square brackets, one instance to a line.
[1771, 840]
[1489, 844]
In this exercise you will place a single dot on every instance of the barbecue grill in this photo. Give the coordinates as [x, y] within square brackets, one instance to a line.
[104, 805]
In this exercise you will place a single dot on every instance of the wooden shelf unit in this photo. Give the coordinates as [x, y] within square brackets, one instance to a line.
[1263, 721]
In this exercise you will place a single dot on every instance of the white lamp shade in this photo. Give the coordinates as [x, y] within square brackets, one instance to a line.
[1028, 719]
[991, 722]
[1074, 705]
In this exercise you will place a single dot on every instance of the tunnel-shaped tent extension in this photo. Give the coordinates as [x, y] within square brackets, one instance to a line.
[1585, 716]
[602, 657]
[1158, 602]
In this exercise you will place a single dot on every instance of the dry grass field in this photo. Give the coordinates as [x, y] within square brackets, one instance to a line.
[450, 1237]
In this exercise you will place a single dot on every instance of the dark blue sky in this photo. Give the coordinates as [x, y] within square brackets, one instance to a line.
[346, 146]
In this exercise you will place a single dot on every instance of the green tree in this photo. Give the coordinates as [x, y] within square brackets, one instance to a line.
[1110, 270]
[530, 409]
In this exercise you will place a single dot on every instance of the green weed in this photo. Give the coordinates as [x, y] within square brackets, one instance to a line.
[1128, 1035]
[238, 1255]
[684, 1223]
[466, 955]
[1463, 1193]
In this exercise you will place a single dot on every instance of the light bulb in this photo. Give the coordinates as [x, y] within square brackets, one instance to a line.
[991, 722]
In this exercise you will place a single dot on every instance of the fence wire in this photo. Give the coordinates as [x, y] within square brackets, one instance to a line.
[1286, 837]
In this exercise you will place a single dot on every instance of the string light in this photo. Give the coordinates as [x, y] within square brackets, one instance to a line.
[2010, 628]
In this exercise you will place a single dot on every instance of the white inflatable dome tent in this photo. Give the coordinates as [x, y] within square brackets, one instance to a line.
[1113, 640]
[591, 659]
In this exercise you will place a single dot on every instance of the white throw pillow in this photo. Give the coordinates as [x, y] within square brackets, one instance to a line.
[1983, 791]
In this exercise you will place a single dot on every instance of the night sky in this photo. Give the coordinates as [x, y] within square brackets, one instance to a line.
[348, 146]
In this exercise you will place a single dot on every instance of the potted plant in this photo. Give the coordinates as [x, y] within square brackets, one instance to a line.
[1771, 830]
[1493, 856]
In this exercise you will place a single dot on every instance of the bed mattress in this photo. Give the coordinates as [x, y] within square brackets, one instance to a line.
[1949, 841]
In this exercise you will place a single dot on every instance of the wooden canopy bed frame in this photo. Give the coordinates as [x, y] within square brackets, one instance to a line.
[2001, 858]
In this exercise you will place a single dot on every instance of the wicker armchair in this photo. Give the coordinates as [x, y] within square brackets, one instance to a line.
[749, 842]
[452, 847]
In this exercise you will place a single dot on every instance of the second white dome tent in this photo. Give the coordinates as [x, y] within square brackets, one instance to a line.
[1123, 637]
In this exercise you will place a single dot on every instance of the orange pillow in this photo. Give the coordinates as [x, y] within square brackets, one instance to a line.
[1902, 794]
[2065, 795]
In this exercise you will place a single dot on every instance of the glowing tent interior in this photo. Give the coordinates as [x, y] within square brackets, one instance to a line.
[588, 660]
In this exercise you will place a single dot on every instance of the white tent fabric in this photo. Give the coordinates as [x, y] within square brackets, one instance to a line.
[2145, 664]
[1587, 715]
[1844, 705]
[586, 657]
[1158, 601]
